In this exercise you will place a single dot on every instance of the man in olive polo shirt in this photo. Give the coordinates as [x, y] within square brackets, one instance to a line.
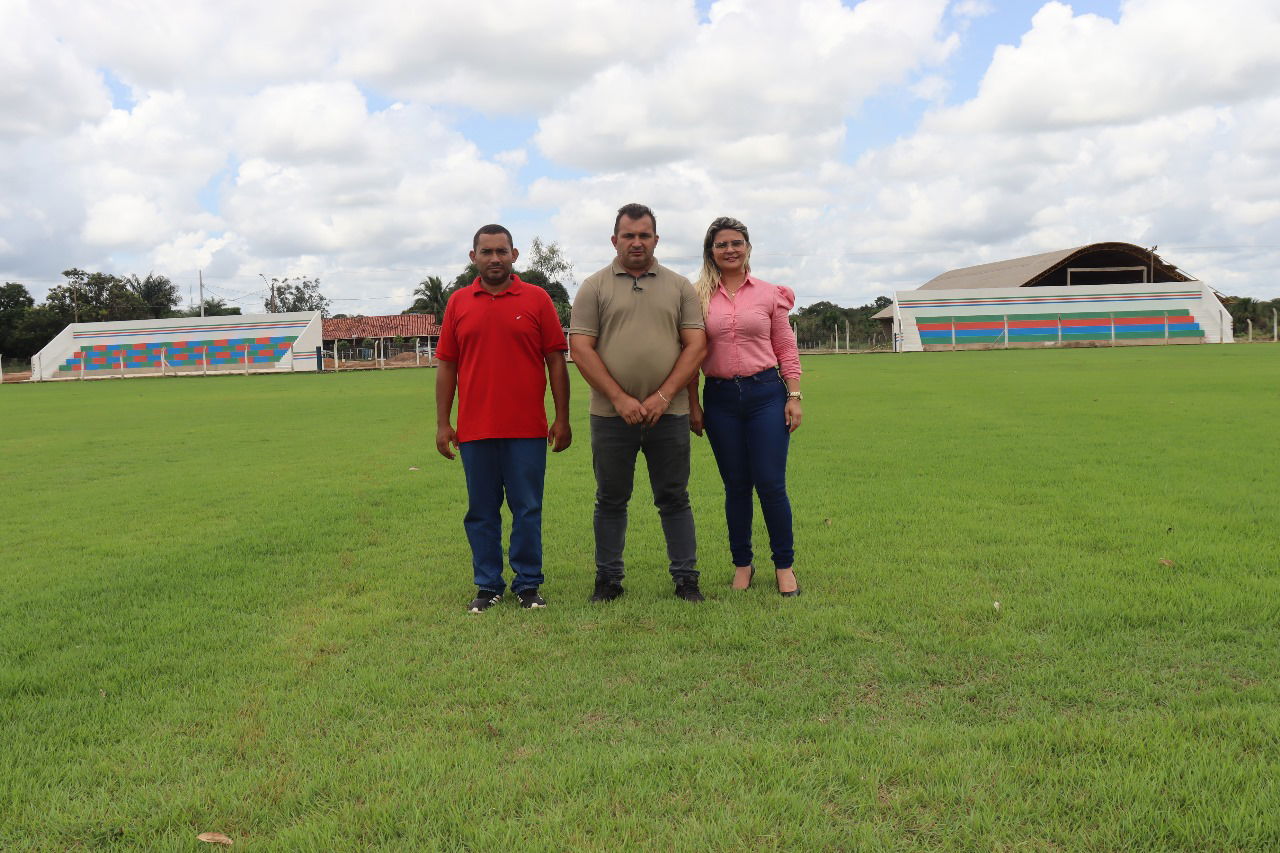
[637, 337]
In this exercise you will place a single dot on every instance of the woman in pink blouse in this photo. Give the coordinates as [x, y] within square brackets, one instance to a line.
[751, 402]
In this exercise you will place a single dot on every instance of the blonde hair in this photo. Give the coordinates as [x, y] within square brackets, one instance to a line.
[709, 276]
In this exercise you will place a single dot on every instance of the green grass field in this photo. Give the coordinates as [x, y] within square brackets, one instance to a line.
[231, 604]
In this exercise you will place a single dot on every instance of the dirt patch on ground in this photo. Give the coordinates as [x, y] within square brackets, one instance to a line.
[17, 377]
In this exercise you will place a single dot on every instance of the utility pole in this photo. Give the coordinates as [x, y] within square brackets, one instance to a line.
[271, 289]
[200, 273]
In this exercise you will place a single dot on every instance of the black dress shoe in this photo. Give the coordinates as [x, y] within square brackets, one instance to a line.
[606, 590]
[688, 590]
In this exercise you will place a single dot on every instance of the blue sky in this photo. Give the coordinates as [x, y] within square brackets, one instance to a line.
[365, 146]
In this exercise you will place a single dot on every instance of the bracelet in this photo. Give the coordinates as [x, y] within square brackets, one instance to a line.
[664, 397]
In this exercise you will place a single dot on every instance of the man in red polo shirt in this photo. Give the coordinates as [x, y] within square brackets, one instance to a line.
[499, 342]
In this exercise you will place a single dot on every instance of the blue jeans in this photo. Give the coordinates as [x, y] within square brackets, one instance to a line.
[614, 445]
[516, 467]
[746, 424]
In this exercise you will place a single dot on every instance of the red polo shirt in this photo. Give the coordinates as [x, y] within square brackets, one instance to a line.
[500, 344]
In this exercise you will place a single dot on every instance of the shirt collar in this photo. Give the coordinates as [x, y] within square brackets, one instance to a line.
[619, 269]
[720, 288]
[516, 286]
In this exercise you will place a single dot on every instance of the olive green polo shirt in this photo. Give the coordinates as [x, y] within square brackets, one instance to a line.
[636, 323]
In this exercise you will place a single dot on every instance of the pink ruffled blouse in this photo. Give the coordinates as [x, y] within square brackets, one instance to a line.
[749, 332]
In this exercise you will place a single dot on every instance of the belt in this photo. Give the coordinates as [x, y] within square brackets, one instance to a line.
[768, 373]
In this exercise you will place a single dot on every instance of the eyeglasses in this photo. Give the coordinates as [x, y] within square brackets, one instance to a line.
[729, 244]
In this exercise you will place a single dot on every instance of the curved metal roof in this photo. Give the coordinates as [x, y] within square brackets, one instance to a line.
[1032, 269]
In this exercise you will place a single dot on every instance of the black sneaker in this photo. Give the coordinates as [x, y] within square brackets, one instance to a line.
[606, 590]
[529, 598]
[688, 590]
[485, 598]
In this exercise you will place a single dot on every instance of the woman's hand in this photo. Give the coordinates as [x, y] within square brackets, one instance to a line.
[793, 414]
[695, 418]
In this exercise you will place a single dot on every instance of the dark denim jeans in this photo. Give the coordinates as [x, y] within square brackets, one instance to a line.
[614, 445]
[516, 467]
[747, 426]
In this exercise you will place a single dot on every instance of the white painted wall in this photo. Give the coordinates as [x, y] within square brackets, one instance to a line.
[1193, 296]
[182, 345]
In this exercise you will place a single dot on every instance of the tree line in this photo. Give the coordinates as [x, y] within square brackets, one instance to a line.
[87, 297]
[94, 297]
[547, 268]
[1262, 313]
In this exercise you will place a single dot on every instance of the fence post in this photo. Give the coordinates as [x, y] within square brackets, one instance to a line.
[204, 361]
[1166, 326]
[122, 364]
[293, 358]
[1059, 330]
[246, 359]
[163, 366]
[1113, 328]
[1275, 336]
[953, 334]
[1006, 331]
[1249, 325]
[1, 368]
[82, 365]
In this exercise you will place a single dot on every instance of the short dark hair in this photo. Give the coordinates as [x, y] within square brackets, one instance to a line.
[634, 211]
[491, 229]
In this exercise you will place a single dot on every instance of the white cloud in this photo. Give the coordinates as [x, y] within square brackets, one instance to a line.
[972, 8]
[505, 56]
[45, 87]
[391, 184]
[125, 219]
[257, 142]
[765, 85]
[1161, 56]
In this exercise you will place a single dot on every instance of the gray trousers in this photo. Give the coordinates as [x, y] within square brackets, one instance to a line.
[614, 445]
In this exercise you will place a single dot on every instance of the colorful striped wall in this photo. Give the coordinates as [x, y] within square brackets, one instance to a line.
[1065, 327]
[177, 354]
[192, 345]
[1091, 315]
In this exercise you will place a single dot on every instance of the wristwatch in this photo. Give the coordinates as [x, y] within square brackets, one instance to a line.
[794, 395]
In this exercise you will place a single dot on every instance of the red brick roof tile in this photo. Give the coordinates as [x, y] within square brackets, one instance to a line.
[393, 326]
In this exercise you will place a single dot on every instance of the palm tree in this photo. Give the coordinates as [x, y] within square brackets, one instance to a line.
[431, 297]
